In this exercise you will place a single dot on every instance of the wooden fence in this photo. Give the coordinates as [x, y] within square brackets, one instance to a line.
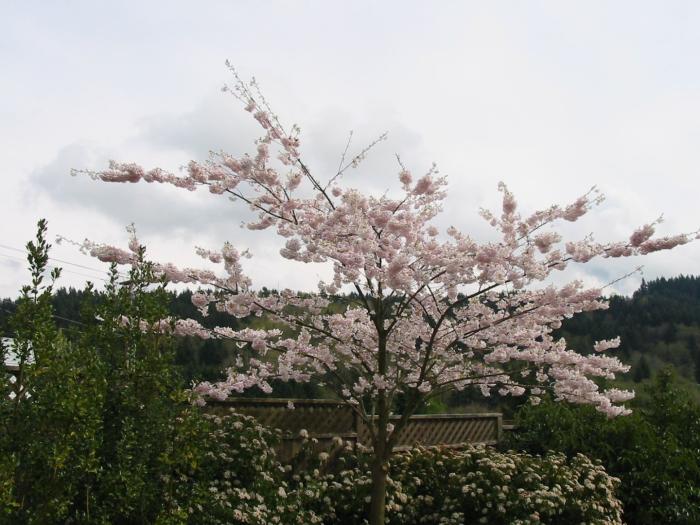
[444, 429]
[325, 419]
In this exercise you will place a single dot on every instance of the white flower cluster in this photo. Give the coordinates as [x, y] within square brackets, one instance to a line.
[228, 473]
[473, 485]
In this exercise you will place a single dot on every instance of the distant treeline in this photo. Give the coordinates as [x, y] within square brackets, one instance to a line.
[659, 325]
[198, 359]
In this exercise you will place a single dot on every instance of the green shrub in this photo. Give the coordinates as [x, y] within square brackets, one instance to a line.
[473, 485]
[101, 431]
[655, 451]
[223, 470]
[51, 413]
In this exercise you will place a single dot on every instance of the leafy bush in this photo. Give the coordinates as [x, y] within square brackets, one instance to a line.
[224, 471]
[655, 451]
[99, 430]
[51, 412]
[472, 485]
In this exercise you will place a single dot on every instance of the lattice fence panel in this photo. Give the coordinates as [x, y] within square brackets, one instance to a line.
[447, 429]
[325, 418]
[318, 417]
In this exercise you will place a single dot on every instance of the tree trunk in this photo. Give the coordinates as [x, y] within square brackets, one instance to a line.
[380, 464]
[378, 502]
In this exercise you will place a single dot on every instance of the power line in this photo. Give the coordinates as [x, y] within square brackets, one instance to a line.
[52, 315]
[55, 259]
[62, 269]
[68, 320]
[69, 328]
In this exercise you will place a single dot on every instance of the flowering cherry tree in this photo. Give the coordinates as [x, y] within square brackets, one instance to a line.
[434, 310]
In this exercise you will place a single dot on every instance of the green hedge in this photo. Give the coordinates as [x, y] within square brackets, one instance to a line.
[655, 451]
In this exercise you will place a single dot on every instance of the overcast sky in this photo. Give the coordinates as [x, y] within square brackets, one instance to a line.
[550, 97]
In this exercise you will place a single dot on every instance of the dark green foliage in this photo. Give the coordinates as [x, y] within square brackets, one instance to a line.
[50, 414]
[641, 371]
[97, 427]
[655, 451]
[658, 322]
[694, 349]
[143, 395]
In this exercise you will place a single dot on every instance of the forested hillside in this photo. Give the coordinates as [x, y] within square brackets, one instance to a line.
[659, 325]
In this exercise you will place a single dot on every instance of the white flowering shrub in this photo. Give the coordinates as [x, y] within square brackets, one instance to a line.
[225, 471]
[473, 485]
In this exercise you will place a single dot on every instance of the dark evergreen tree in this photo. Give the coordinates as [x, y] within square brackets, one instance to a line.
[641, 371]
[694, 350]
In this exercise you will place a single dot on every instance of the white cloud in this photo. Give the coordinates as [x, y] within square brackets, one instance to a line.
[551, 98]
